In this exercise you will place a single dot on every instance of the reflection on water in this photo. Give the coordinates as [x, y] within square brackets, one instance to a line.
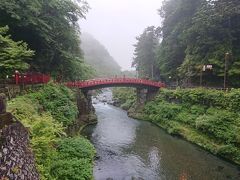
[129, 149]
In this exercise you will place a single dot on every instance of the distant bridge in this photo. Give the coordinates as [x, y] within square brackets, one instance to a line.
[115, 82]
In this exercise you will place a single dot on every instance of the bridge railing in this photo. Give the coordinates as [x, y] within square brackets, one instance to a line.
[34, 78]
[27, 78]
[93, 82]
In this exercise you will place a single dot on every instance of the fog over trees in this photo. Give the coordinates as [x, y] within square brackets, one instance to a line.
[96, 55]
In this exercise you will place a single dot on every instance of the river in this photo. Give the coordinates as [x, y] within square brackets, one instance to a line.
[129, 149]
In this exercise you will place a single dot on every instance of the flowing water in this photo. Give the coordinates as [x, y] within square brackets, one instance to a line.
[129, 149]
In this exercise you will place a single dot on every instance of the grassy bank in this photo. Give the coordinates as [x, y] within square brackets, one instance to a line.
[47, 114]
[208, 118]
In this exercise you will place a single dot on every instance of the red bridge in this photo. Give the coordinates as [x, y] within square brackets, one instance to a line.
[113, 82]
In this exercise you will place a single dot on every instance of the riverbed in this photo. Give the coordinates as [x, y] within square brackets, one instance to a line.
[129, 149]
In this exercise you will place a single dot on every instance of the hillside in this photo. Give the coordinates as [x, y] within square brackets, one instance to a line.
[96, 55]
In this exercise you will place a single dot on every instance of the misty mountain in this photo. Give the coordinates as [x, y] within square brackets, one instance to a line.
[96, 55]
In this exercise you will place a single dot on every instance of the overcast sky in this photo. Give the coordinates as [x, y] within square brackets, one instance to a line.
[116, 23]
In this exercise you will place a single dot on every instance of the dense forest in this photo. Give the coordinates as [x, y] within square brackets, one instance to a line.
[193, 34]
[96, 55]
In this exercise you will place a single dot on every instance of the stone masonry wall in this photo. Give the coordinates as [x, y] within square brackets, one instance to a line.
[16, 158]
[86, 113]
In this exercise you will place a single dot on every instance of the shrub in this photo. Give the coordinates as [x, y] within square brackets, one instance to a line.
[228, 151]
[125, 96]
[74, 169]
[212, 115]
[74, 160]
[59, 101]
[128, 104]
[76, 148]
[44, 113]
[44, 131]
[220, 124]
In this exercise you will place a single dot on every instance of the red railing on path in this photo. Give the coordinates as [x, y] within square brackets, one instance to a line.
[114, 81]
[31, 78]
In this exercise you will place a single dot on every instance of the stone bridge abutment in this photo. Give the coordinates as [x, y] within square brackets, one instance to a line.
[143, 95]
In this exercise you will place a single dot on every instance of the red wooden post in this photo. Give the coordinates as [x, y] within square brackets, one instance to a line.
[16, 77]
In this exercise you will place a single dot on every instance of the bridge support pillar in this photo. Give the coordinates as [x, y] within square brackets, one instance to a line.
[84, 102]
[86, 112]
[151, 94]
[144, 95]
[141, 96]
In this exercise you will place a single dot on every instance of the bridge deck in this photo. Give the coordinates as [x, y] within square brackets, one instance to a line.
[94, 83]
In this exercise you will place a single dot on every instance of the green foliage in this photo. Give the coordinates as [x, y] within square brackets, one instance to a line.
[174, 128]
[205, 97]
[125, 97]
[209, 118]
[13, 55]
[164, 111]
[44, 131]
[177, 16]
[59, 101]
[145, 54]
[198, 32]
[74, 169]
[128, 104]
[220, 124]
[219, 17]
[229, 151]
[50, 28]
[76, 148]
[98, 57]
[74, 159]
[44, 113]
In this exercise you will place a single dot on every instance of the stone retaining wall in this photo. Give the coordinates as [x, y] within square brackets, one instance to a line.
[16, 158]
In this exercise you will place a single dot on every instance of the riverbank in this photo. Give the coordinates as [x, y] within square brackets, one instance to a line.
[208, 118]
[49, 114]
[128, 148]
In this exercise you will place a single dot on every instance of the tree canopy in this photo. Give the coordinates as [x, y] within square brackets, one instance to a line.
[195, 33]
[13, 55]
[145, 54]
[50, 28]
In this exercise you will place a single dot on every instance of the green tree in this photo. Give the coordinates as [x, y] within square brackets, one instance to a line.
[198, 32]
[215, 31]
[177, 18]
[50, 28]
[145, 54]
[13, 55]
